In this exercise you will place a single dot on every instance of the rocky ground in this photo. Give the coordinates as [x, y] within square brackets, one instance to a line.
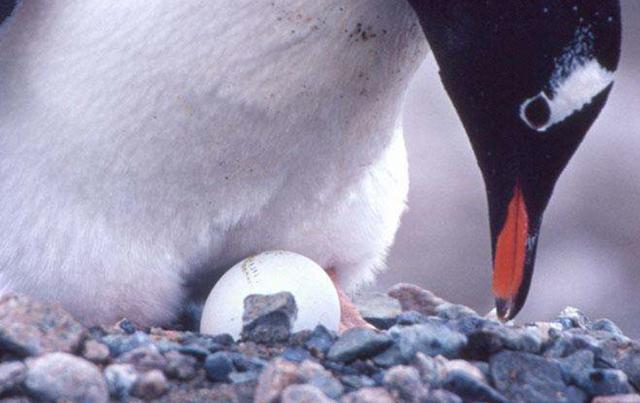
[429, 351]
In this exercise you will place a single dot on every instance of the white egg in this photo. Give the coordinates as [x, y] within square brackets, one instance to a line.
[269, 273]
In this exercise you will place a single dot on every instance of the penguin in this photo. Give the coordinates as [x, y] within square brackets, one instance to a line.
[145, 147]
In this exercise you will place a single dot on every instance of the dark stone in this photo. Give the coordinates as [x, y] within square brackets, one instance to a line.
[243, 363]
[296, 354]
[526, 377]
[390, 357]
[218, 366]
[358, 343]
[429, 338]
[471, 388]
[30, 328]
[605, 382]
[62, 376]
[320, 341]
[127, 326]
[482, 344]
[268, 318]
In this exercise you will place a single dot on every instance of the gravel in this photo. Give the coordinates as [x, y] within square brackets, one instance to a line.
[429, 350]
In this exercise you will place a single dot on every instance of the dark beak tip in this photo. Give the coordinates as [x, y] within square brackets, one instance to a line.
[507, 309]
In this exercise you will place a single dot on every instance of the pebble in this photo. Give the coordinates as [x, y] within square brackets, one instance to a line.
[12, 374]
[358, 343]
[429, 338]
[442, 396]
[630, 398]
[528, 377]
[274, 380]
[571, 317]
[304, 394]
[62, 376]
[314, 374]
[95, 351]
[605, 382]
[368, 395]
[378, 308]
[122, 343]
[268, 318]
[320, 341]
[144, 358]
[180, 366]
[404, 384]
[467, 385]
[120, 380]
[150, 385]
[30, 328]
[218, 366]
[414, 298]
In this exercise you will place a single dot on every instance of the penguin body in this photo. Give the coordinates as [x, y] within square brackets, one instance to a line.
[148, 146]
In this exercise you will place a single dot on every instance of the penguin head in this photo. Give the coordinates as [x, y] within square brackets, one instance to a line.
[528, 79]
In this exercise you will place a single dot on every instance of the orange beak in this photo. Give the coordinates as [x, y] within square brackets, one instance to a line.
[510, 257]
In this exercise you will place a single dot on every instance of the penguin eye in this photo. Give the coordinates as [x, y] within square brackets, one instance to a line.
[536, 111]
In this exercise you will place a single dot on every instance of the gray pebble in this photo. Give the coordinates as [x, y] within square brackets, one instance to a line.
[304, 394]
[95, 351]
[62, 376]
[218, 366]
[377, 308]
[442, 396]
[180, 366]
[451, 311]
[358, 343]
[576, 366]
[607, 326]
[470, 387]
[404, 384]
[268, 318]
[605, 382]
[368, 395]
[122, 343]
[320, 341]
[429, 338]
[29, 328]
[144, 359]
[150, 385]
[524, 376]
[12, 373]
[120, 380]
[631, 398]
[314, 374]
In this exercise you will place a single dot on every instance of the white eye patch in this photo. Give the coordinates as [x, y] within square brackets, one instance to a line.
[577, 79]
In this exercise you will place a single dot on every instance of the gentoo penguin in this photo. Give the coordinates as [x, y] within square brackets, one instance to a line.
[146, 146]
